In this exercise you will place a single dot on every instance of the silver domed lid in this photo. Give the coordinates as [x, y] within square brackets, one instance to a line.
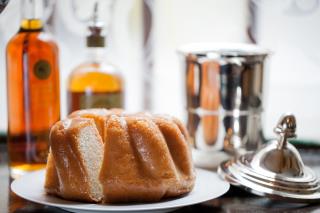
[276, 170]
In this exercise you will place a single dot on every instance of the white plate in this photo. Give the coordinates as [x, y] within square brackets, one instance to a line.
[208, 186]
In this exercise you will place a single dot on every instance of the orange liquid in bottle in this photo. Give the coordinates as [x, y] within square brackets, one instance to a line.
[93, 86]
[33, 96]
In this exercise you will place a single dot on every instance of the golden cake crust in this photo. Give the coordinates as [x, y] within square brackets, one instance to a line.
[145, 157]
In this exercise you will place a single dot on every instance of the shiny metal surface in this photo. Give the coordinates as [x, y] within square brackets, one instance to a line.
[224, 84]
[276, 170]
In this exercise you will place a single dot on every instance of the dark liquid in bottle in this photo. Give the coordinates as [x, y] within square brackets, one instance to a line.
[85, 100]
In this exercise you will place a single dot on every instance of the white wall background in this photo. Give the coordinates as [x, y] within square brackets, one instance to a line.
[290, 28]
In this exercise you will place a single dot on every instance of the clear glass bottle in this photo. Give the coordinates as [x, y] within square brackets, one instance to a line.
[32, 91]
[95, 83]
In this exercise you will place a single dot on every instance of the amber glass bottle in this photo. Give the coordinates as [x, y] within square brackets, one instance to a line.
[95, 83]
[32, 91]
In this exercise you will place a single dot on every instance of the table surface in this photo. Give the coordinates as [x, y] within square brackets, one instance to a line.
[235, 200]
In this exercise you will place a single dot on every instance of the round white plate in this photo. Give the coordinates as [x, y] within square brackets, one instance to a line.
[208, 186]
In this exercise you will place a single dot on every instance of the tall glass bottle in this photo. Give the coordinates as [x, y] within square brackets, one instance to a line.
[95, 83]
[32, 91]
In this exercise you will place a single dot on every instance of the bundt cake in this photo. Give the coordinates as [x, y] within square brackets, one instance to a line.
[111, 156]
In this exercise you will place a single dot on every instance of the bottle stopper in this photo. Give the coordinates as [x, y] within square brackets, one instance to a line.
[95, 37]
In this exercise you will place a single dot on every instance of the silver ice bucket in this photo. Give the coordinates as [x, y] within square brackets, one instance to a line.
[224, 95]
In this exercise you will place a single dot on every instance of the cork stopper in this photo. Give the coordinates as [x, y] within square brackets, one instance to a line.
[96, 37]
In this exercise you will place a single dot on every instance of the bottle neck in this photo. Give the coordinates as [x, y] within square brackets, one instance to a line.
[96, 54]
[31, 12]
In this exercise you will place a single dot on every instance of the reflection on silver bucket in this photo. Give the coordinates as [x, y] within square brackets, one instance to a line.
[224, 85]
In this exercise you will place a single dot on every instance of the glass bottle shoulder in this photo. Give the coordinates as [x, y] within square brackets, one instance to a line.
[99, 67]
[35, 38]
[95, 76]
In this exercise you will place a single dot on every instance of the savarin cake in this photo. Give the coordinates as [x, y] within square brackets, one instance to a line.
[100, 155]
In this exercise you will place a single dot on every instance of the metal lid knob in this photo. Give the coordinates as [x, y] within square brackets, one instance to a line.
[276, 170]
[286, 128]
[280, 157]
